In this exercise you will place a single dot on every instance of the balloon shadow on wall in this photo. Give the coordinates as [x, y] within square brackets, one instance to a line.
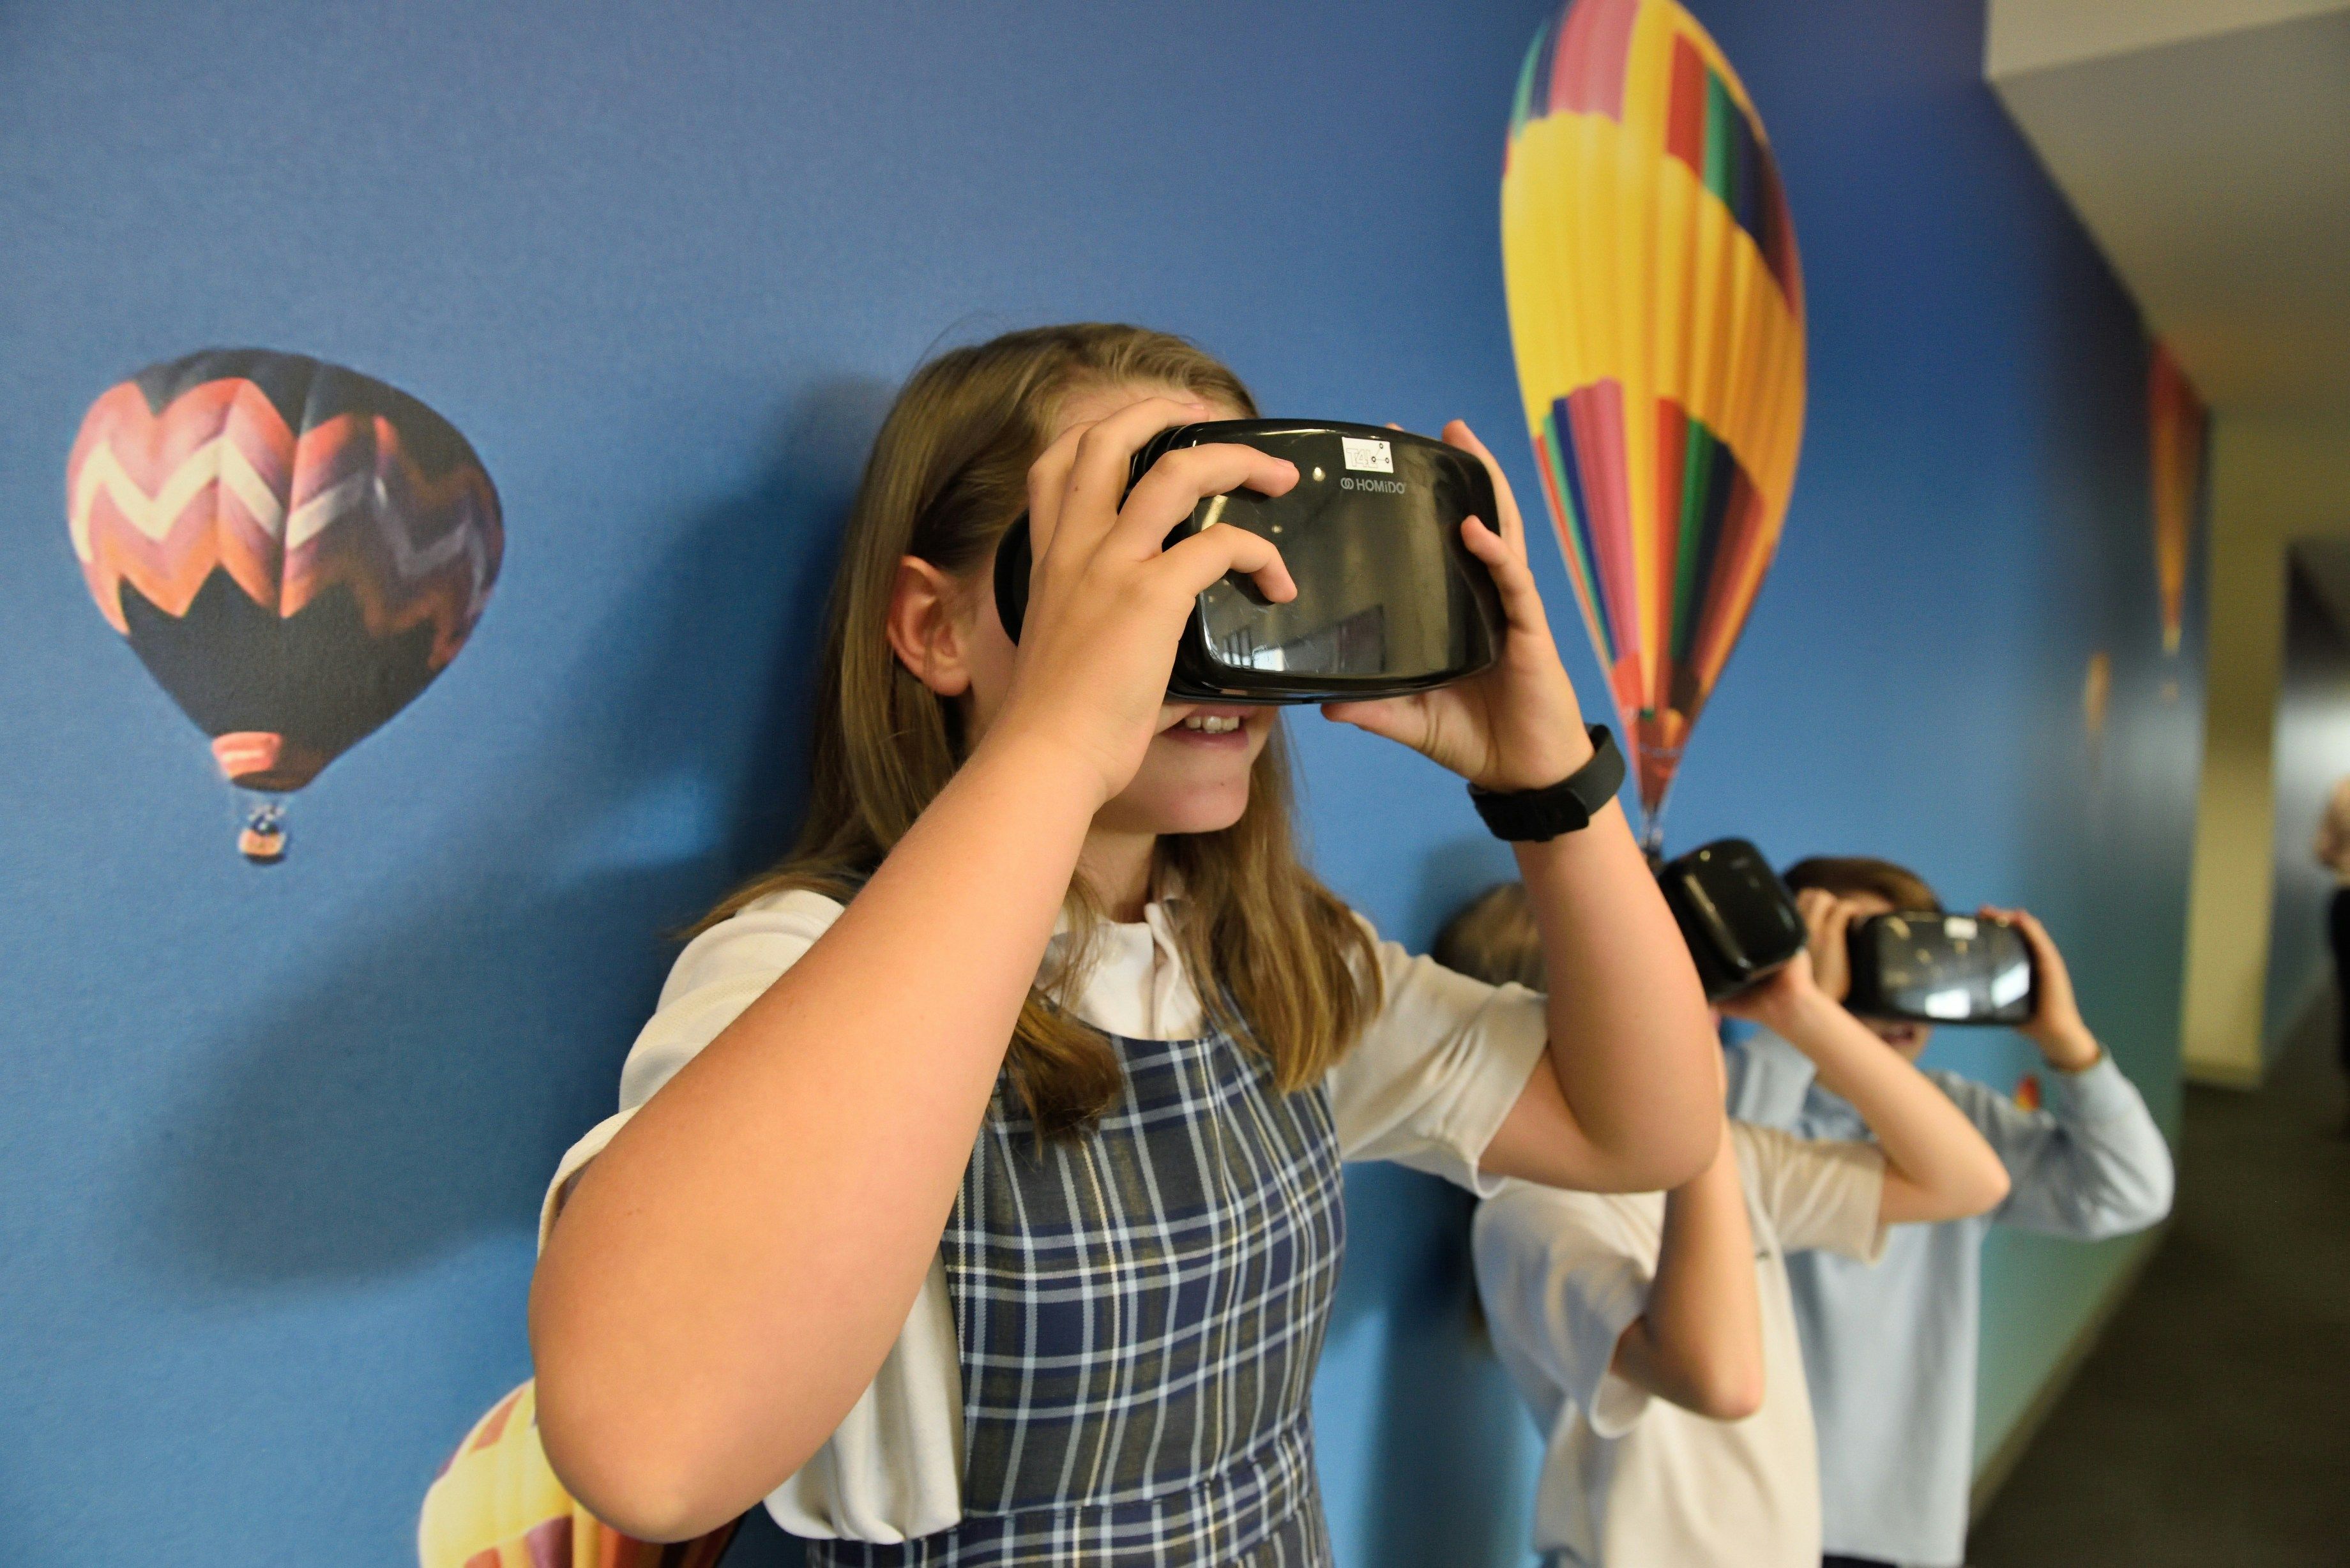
[417, 1095]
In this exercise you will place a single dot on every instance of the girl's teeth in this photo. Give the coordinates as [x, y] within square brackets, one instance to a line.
[1211, 724]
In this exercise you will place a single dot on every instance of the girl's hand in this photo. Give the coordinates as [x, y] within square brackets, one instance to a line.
[2055, 1025]
[1106, 603]
[1829, 919]
[1518, 725]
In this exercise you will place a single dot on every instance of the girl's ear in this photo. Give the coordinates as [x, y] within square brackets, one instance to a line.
[927, 627]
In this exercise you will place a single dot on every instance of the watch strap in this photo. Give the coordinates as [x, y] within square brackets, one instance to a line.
[1568, 806]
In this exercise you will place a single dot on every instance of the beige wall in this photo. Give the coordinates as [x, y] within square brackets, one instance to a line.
[2272, 481]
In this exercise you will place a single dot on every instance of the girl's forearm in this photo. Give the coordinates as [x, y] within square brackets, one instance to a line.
[1631, 1040]
[728, 1275]
[1927, 1140]
[1698, 1341]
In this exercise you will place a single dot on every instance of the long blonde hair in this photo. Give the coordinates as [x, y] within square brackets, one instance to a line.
[1275, 956]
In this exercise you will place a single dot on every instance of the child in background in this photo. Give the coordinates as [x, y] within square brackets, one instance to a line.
[974, 1196]
[1653, 1334]
[1890, 1350]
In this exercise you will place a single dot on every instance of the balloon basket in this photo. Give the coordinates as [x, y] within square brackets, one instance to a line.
[262, 839]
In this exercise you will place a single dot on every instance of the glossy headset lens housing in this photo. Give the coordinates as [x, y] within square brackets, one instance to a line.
[1388, 600]
[1739, 919]
[1933, 968]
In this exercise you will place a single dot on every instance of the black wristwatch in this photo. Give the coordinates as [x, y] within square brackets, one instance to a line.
[1566, 807]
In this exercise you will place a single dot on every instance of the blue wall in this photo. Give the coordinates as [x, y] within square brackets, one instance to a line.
[275, 1139]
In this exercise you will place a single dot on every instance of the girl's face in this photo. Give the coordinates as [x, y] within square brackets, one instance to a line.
[1195, 777]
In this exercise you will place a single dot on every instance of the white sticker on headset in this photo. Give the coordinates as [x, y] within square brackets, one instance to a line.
[1365, 452]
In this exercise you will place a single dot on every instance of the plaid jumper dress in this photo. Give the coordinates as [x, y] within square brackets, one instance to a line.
[1137, 1313]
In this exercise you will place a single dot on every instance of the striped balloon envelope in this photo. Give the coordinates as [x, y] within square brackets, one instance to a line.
[1656, 313]
[2177, 430]
[497, 1504]
[294, 550]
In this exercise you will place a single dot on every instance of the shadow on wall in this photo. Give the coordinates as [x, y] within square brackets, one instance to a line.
[1443, 1483]
[418, 1095]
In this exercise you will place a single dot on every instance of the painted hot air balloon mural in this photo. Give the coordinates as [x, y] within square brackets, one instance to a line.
[2177, 428]
[1657, 311]
[293, 549]
[496, 1504]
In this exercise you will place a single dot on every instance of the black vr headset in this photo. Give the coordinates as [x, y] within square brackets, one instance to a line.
[1742, 925]
[1388, 600]
[1932, 967]
[1740, 921]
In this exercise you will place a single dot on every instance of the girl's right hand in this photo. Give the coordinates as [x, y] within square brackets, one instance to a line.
[1106, 603]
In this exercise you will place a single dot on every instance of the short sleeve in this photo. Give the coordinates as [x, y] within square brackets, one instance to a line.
[719, 973]
[1561, 1276]
[1820, 1193]
[892, 1470]
[1436, 1071]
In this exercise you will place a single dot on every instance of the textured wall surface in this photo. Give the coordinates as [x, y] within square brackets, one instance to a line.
[277, 1137]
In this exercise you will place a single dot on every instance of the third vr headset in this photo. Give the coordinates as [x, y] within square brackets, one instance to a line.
[1388, 600]
[1742, 925]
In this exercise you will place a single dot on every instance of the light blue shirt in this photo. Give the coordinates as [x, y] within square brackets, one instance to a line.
[1889, 1348]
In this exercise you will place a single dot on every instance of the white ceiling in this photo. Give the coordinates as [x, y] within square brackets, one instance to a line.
[2205, 144]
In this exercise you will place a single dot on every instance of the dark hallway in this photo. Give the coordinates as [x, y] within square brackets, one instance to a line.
[2211, 1425]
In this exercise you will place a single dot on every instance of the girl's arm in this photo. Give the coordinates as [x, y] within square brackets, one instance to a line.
[728, 1273]
[1698, 1341]
[1937, 1166]
[1631, 1102]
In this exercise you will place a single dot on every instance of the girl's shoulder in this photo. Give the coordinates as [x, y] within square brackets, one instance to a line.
[758, 942]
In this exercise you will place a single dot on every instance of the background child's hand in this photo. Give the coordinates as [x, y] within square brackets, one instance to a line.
[1829, 919]
[1776, 1002]
[1518, 725]
[1107, 603]
[2055, 1025]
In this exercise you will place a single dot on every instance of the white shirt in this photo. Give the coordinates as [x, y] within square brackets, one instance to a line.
[1628, 1481]
[1427, 1085]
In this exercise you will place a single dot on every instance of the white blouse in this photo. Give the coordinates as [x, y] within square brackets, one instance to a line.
[1427, 1085]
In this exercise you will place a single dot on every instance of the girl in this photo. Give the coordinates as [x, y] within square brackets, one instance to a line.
[975, 1193]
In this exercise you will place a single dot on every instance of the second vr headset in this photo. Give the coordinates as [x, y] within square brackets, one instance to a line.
[1921, 965]
[1389, 600]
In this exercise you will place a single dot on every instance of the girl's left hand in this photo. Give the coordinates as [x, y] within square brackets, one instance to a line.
[1518, 725]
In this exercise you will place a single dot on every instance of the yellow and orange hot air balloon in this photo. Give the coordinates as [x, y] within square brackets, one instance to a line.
[1657, 312]
[2177, 428]
[498, 1505]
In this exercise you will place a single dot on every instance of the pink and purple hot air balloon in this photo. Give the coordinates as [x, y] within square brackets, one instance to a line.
[293, 549]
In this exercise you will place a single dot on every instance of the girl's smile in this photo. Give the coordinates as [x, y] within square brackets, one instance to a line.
[1217, 729]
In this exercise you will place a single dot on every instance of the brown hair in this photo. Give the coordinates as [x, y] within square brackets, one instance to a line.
[1493, 939]
[1275, 956]
[1847, 875]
